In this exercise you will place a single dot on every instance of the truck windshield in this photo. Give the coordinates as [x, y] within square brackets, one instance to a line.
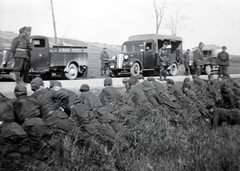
[133, 47]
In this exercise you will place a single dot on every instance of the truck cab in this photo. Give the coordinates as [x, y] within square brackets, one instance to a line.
[140, 54]
[71, 61]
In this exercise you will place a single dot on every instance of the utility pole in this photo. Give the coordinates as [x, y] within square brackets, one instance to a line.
[54, 25]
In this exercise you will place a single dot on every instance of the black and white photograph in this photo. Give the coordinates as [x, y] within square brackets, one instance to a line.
[119, 85]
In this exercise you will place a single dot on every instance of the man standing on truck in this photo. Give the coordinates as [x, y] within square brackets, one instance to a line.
[164, 61]
[20, 50]
[186, 62]
[223, 62]
[198, 59]
[104, 61]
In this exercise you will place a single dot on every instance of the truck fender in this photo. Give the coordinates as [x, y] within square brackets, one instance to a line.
[132, 61]
[71, 62]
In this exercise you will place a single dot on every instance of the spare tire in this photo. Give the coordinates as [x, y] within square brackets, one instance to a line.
[174, 69]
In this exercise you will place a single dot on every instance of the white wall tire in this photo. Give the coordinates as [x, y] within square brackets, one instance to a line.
[208, 69]
[174, 69]
[72, 72]
[135, 69]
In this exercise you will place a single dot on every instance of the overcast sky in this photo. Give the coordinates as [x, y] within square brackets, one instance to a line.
[113, 21]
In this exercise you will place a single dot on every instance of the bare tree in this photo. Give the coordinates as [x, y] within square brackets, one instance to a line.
[159, 13]
[175, 22]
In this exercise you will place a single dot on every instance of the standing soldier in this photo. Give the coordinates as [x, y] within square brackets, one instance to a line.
[186, 62]
[222, 62]
[198, 59]
[20, 50]
[163, 61]
[104, 61]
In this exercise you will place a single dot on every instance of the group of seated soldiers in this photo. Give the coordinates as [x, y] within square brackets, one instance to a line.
[57, 110]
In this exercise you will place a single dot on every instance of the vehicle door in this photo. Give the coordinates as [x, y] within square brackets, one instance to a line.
[150, 55]
[40, 55]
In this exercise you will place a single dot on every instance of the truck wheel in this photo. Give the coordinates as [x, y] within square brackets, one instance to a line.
[208, 69]
[72, 72]
[174, 70]
[135, 70]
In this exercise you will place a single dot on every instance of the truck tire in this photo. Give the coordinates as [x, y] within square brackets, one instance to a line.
[208, 69]
[135, 69]
[72, 72]
[174, 70]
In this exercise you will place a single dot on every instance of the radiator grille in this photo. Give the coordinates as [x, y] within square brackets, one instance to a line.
[120, 60]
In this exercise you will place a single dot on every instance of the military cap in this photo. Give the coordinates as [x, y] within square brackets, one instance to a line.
[224, 90]
[21, 30]
[108, 81]
[165, 42]
[170, 81]
[36, 82]
[201, 43]
[194, 76]
[139, 76]
[132, 80]
[84, 87]
[224, 47]
[55, 83]
[125, 80]
[151, 79]
[20, 89]
[187, 79]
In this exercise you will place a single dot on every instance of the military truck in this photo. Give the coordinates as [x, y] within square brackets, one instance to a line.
[210, 53]
[140, 54]
[71, 61]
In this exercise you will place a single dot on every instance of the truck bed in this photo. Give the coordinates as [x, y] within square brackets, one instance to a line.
[62, 58]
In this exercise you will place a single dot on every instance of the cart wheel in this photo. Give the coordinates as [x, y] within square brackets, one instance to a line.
[72, 72]
[135, 70]
[174, 70]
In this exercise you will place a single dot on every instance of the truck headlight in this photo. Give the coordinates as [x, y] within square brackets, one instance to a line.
[126, 57]
[114, 57]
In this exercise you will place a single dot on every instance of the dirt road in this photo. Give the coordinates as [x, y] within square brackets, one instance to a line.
[7, 87]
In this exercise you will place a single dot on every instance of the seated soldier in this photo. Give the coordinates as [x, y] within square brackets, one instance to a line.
[27, 112]
[109, 94]
[174, 89]
[72, 100]
[49, 105]
[220, 115]
[229, 99]
[102, 114]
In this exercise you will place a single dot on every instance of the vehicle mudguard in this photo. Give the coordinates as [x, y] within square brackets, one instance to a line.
[70, 62]
[133, 60]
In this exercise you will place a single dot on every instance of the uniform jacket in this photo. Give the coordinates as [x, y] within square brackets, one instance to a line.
[21, 47]
[48, 100]
[222, 59]
[110, 94]
[104, 57]
[90, 99]
[186, 57]
[25, 107]
[198, 57]
[163, 56]
[73, 98]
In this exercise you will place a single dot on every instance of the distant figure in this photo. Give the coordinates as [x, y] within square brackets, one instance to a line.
[223, 62]
[104, 61]
[163, 61]
[198, 59]
[20, 50]
[186, 62]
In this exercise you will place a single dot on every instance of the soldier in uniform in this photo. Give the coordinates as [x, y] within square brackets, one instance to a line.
[50, 102]
[223, 62]
[198, 59]
[164, 61]
[186, 62]
[20, 50]
[104, 61]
